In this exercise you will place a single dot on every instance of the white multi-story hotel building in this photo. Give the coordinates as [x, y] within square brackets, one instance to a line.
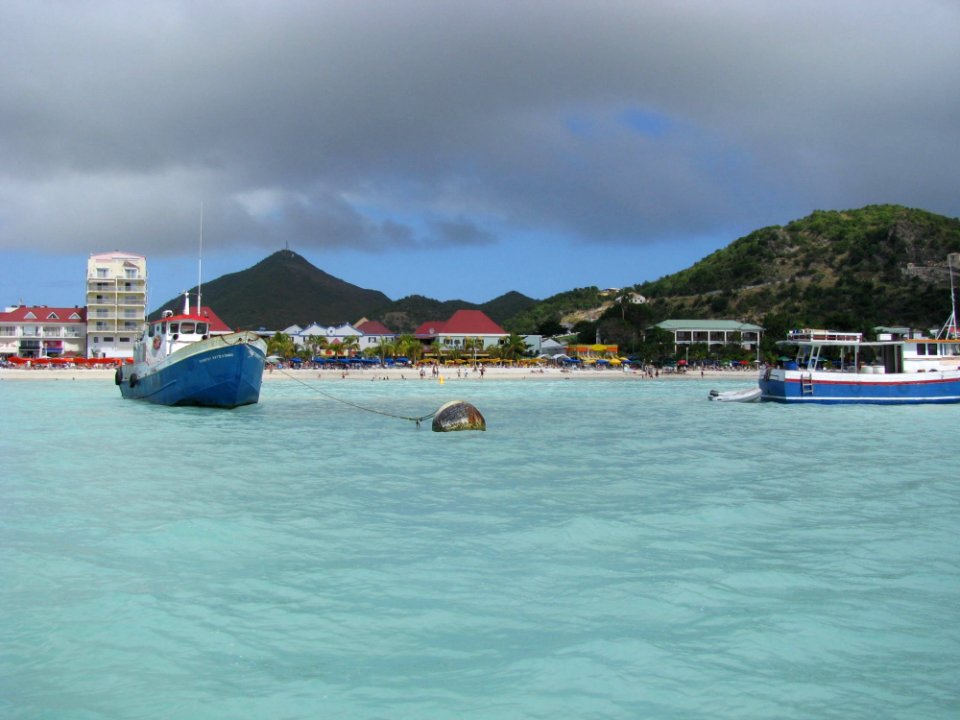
[116, 303]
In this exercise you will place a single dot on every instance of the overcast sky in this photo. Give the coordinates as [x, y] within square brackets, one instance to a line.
[455, 149]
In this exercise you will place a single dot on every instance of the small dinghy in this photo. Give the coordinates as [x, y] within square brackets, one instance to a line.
[746, 395]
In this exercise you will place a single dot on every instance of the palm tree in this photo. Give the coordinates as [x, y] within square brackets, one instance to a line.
[512, 346]
[282, 345]
[383, 349]
[410, 347]
[323, 344]
[314, 343]
[473, 345]
[349, 345]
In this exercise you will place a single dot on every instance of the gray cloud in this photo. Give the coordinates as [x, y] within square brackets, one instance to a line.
[419, 124]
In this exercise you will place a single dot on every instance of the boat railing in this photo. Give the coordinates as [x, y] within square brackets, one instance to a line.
[810, 335]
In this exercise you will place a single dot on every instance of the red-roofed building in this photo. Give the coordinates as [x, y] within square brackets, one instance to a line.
[374, 333]
[465, 327]
[41, 331]
[428, 330]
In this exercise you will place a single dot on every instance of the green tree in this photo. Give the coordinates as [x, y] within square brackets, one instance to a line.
[281, 345]
[550, 328]
[348, 345]
[410, 347]
[512, 347]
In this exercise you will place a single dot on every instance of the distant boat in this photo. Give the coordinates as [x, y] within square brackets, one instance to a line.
[194, 359]
[743, 395]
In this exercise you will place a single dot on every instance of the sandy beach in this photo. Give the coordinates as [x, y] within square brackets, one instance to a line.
[449, 374]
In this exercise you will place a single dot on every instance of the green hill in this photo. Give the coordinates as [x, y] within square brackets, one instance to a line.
[407, 314]
[851, 269]
[286, 289]
[879, 265]
[281, 290]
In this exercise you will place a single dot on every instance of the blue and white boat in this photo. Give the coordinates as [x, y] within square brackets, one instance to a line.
[896, 369]
[829, 368]
[194, 359]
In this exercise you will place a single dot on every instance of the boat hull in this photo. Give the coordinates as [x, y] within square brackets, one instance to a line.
[745, 395]
[793, 386]
[223, 371]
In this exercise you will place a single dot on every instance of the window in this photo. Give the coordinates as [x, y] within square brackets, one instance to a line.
[107, 339]
[921, 349]
[102, 273]
[187, 328]
[130, 273]
[932, 349]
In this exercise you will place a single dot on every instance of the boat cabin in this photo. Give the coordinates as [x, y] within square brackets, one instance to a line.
[172, 332]
[847, 352]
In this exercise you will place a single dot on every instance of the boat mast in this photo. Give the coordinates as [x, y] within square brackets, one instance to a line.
[949, 331]
[200, 262]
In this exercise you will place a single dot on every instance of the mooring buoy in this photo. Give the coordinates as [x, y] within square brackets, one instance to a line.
[458, 415]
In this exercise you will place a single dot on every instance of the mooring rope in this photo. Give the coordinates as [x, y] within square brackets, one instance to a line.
[327, 395]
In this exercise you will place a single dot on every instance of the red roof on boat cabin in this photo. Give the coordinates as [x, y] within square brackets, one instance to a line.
[206, 315]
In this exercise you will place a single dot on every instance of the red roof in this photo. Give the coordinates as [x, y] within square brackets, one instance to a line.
[206, 314]
[43, 314]
[471, 322]
[372, 327]
[429, 329]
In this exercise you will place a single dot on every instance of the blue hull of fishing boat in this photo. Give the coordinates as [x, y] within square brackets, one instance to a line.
[221, 376]
[790, 387]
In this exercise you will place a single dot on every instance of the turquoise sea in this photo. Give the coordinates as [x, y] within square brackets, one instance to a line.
[607, 549]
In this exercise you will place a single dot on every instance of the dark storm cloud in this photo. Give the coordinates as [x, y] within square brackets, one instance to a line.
[413, 124]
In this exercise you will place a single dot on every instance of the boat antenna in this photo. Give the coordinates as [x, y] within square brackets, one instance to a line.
[950, 331]
[953, 297]
[200, 263]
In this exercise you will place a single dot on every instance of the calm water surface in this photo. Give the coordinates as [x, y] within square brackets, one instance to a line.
[604, 550]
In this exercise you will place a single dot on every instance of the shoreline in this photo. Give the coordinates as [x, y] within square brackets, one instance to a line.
[491, 374]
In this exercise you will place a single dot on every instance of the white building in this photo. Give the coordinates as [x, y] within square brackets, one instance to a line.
[42, 332]
[374, 334]
[116, 303]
